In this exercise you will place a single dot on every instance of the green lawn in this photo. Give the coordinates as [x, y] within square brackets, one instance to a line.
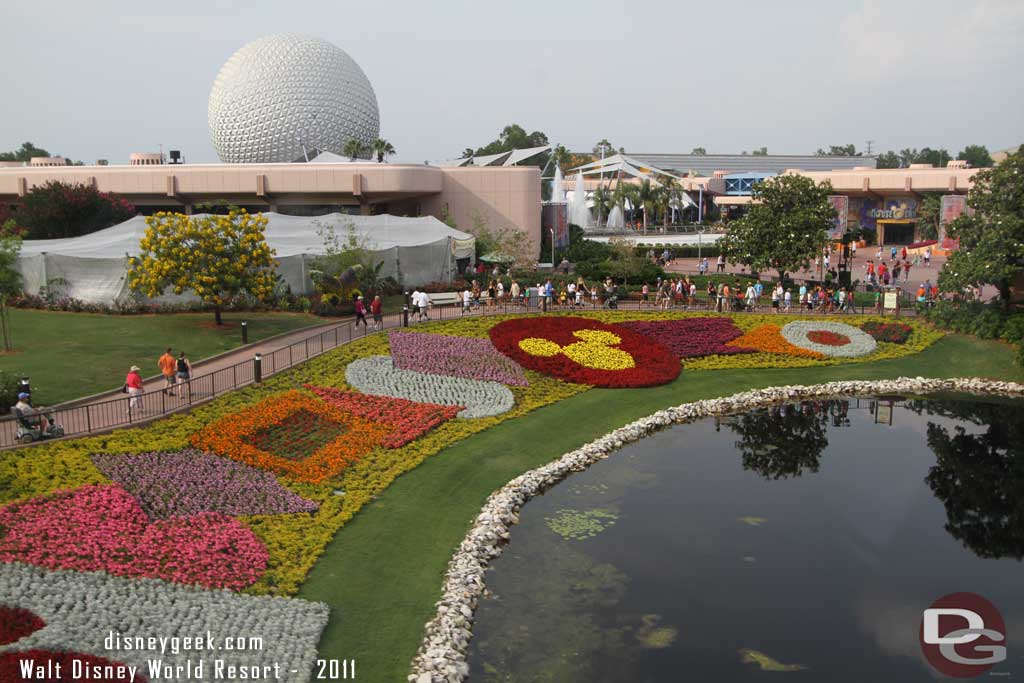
[69, 355]
[382, 572]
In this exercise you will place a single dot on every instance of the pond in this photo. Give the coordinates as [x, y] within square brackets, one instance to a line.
[803, 540]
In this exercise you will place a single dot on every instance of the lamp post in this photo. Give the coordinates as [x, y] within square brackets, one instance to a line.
[257, 368]
[245, 332]
[552, 231]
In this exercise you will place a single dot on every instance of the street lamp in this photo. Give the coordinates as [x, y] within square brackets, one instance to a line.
[552, 231]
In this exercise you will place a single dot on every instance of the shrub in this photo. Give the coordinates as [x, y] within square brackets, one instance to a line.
[59, 210]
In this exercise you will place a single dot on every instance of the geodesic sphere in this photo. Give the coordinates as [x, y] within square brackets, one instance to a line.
[283, 91]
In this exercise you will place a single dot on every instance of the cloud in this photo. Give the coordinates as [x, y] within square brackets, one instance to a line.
[891, 42]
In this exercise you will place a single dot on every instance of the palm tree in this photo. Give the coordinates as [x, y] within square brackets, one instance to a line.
[647, 198]
[355, 149]
[625, 193]
[383, 149]
[670, 194]
[604, 200]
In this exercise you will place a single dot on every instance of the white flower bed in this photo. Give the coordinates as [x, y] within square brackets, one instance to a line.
[442, 653]
[378, 375]
[81, 608]
[861, 343]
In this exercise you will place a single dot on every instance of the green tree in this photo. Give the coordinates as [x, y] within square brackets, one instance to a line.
[355, 149]
[647, 198]
[976, 155]
[604, 147]
[216, 257]
[626, 194]
[60, 210]
[785, 227]
[698, 151]
[936, 157]
[604, 200]
[10, 277]
[24, 153]
[888, 159]
[992, 239]
[514, 136]
[383, 149]
[760, 152]
[838, 151]
[929, 214]
[670, 194]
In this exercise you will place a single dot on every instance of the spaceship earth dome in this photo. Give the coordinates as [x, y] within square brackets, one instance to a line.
[284, 93]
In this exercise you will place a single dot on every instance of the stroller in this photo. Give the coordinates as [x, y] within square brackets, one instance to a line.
[30, 431]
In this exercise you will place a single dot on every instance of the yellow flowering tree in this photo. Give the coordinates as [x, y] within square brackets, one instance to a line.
[216, 257]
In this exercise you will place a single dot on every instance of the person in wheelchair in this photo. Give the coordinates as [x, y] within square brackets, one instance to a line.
[34, 423]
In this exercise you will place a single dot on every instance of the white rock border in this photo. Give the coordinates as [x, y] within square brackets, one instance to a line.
[861, 343]
[442, 653]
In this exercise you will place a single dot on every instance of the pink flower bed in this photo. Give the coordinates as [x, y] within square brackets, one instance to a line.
[102, 527]
[440, 354]
[408, 420]
[692, 337]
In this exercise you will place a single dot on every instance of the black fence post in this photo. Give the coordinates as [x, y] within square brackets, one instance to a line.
[405, 316]
[245, 332]
[257, 369]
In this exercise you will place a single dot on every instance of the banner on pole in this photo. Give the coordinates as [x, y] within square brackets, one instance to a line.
[841, 203]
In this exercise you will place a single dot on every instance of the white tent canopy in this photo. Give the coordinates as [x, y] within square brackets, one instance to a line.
[93, 267]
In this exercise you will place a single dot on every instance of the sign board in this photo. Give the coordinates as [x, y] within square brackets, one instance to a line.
[841, 203]
[890, 301]
[556, 216]
[952, 207]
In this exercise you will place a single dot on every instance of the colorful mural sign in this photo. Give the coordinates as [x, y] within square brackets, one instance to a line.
[841, 203]
[952, 207]
[556, 216]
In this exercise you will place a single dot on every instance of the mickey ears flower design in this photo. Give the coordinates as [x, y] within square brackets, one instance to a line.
[585, 351]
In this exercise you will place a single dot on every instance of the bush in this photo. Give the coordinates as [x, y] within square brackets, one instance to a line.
[973, 317]
[58, 210]
[8, 390]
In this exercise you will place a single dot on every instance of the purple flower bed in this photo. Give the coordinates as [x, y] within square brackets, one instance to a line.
[692, 337]
[440, 354]
[183, 483]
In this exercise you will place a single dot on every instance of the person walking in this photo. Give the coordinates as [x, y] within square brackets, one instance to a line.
[133, 383]
[721, 263]
[166, 365]
[377, 309]
[182, 370]
[360, 312]
[424, 306]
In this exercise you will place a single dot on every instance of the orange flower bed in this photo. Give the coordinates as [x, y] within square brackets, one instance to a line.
[235, 436]
[768, 339]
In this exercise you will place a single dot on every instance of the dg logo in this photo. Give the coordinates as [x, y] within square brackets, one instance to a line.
[962, 635]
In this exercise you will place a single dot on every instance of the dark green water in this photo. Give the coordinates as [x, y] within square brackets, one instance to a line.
[808, 536]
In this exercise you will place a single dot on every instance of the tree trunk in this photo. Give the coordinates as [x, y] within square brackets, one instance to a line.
[1004, 294]
[216, 315]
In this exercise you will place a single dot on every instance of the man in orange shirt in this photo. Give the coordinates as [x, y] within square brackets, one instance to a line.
[166, 364]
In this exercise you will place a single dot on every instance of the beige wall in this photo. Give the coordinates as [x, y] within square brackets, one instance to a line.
[504, 197]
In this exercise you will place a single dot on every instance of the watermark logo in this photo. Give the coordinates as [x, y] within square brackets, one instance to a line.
[963, 635]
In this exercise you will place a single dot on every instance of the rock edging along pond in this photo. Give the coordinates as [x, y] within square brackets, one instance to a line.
[442, 653]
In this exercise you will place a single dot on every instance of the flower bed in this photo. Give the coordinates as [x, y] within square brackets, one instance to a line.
[16, 623]
[768, 338]
[692, 337]
[378, 375]
[84, 607]
[845, 341]
[456, 356]
[104, 528]
[182, 483]
[585, 351]
[827, 338]
[406, 420]
[893, 333]
[243, 436]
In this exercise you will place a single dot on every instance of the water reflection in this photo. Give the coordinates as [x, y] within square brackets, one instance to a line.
[813, 558]
[979, 477]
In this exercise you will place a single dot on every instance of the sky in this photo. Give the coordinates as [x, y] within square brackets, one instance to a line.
[102, 79]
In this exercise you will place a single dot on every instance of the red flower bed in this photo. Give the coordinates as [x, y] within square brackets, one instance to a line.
[828, 338]
[90, 668]
[297, 438]
[692, 337]
[651, 363]
[894, 333]
[407, 420]
[16, 623]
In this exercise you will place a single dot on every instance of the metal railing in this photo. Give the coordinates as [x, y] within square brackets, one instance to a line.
[125, 411]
